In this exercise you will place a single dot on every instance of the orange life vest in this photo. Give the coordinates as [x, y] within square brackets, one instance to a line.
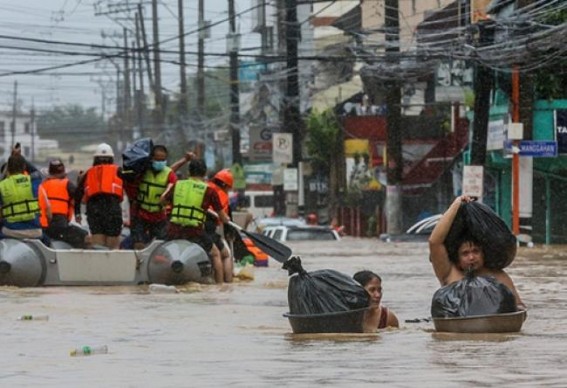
[57, 196]
[223, 197]
[103, 179]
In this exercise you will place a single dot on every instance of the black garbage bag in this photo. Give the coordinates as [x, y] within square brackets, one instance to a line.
[136, 157]
[322, 291]
[477, 222]
[473, 295]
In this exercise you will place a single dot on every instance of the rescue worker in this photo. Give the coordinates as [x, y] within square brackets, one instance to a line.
[102, 189]
[57, 208]
[221, 182]
[148, 218]
[190, 201]
[19, 205]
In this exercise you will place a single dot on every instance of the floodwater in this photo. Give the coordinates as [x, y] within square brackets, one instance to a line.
[235, 334]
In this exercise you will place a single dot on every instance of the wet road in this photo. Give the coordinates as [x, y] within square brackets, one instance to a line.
[235, 334]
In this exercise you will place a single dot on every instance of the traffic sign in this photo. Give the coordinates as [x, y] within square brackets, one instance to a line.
[535, 148]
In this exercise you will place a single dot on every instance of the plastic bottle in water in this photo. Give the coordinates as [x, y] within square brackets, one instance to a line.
[29, 317]
[89, 350]
[162, 289]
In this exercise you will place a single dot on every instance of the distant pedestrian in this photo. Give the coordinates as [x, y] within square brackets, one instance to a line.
[102, 190]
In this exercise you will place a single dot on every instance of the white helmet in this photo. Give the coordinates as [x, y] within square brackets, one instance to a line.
[104, 149]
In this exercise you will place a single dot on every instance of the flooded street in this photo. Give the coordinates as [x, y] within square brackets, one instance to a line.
[235, 334]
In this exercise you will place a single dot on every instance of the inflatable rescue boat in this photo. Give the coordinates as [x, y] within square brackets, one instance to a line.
[29, 263]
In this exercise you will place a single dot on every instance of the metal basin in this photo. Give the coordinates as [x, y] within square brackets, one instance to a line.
[340, 322]
[498, 323]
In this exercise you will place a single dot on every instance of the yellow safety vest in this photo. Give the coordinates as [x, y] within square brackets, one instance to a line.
[151, 188]
[188, 198]
[18, 202]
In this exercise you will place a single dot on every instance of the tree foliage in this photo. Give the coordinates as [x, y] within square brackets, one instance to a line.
[551, 81]
[72, 125]
[323, 139]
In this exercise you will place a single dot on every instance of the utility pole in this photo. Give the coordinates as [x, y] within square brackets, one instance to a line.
[14, 113]
[32, 131]
[394, 166]
[159, 114]
[126, 126]
[201, 66]
[146, 49]
[483, 81]
[183, 98]
[234, 87]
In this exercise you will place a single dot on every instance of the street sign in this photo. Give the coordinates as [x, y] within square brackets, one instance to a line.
[282, 150]
[535, 148]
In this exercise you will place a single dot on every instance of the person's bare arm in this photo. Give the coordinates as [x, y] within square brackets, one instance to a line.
[438, 254]
[392, 320]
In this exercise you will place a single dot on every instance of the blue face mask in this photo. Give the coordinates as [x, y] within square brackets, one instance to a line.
[158, 165]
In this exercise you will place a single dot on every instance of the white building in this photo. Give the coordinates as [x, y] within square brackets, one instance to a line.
[21, 128]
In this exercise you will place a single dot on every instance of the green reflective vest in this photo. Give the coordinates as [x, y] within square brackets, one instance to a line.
[188, 198]
[151, 188]
[18, 202]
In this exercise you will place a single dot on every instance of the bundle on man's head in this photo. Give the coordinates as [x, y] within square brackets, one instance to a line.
[56, 167]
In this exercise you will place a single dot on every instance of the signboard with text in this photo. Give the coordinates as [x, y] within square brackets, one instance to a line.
[561, 130]
[473, 181]
[282, 148]
[534, 148]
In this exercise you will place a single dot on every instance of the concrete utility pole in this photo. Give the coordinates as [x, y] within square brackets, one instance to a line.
[159, 113]
[139, 94]
[394, 166]
[146, 49]
[183, 98]
[483, 81]
[234, 88]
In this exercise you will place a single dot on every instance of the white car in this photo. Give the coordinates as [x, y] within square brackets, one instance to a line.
[301, 233]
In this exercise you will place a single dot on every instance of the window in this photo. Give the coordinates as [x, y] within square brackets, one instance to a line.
[310, 234]
[2, 124]
[277, 234]
[27, 128]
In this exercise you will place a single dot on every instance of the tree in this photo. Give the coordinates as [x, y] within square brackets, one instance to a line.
[72, 125]
[325, 147]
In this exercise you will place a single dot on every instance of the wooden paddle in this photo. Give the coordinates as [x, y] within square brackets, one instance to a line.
[278, 251]
[275, 249]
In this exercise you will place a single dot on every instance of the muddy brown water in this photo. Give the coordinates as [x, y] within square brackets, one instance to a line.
[235, 334]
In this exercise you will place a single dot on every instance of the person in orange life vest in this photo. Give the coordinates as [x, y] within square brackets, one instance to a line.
[221, 182]
[19, 191]
[102, 189]
[148, 217]
[57, 208]
[378, 316]
[191, 198]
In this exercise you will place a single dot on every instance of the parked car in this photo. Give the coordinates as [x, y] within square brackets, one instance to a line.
[263, 223]
[301, 233]
[419, 231]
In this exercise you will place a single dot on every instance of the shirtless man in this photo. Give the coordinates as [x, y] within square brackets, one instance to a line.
[470, 255]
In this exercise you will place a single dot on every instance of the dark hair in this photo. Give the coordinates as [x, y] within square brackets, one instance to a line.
[102, 160]
[16, 164]
[364, 277]
[56, 167]
[197, 167]
[453, 249]
[158, 147]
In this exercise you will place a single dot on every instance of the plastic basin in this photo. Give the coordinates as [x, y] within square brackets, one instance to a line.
[498, 323]
[339, 322]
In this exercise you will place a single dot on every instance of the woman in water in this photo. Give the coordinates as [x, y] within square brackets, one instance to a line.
[378, 316]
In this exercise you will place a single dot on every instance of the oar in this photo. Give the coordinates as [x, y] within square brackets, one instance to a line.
[275, 249]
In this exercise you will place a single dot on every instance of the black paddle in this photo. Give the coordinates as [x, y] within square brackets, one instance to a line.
[273, 248]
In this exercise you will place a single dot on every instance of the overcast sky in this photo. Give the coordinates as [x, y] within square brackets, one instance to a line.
[29, 28]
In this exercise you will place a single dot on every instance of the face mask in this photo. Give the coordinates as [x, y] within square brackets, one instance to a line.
[158, 165]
